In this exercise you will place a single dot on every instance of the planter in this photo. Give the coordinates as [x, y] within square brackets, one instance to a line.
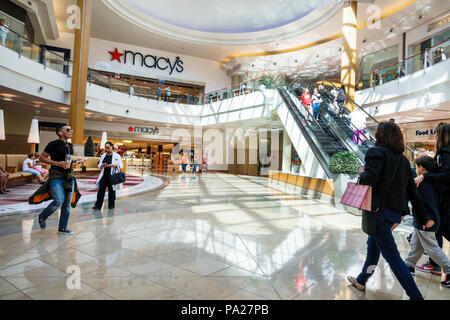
[340, 184]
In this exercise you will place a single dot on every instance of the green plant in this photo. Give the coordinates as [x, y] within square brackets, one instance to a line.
[264, 81]
[89, 150]
[345, 162]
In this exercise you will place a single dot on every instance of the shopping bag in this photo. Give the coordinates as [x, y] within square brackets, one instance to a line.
[358, 196]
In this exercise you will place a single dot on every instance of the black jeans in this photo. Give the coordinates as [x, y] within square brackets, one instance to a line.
[105, 183]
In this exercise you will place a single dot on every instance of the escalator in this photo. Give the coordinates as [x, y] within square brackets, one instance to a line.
[341, 127]
[320, 138]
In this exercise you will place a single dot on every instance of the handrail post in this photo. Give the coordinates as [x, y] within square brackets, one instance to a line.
[19, 45]
[110, 83]
[44, 57]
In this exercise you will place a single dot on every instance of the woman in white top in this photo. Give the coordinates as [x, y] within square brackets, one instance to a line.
[109, 164]
[358, 119]
[28, 166]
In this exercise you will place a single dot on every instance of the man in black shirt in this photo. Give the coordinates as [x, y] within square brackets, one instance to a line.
[61, 185]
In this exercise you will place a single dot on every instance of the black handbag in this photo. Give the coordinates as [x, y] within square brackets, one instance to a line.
[369, 218]
[117, 178]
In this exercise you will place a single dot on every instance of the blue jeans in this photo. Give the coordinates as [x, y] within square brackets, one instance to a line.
[184, 166]
[194, 169]
[316, 109]
[383, 242]
[61, 198]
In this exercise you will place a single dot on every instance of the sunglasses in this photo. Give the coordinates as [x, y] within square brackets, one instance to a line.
[69, 129]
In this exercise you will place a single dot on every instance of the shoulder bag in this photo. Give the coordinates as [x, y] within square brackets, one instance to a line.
[369, 218]
[117, 178]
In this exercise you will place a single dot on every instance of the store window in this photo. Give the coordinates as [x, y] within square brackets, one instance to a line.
[376, 61]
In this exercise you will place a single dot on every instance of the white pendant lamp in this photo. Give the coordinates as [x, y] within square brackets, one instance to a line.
[33, 135]
[103, 141]
[2, 126]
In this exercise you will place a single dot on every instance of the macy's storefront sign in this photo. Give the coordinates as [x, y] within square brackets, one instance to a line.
[149, 61]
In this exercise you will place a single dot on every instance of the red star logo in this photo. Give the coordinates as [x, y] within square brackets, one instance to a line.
[115, 55]
[130, 129]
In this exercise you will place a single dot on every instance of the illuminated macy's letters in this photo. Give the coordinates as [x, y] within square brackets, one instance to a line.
[149, 60]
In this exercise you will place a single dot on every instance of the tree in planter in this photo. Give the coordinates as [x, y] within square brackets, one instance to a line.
[345, 162]
[89, 150]
[344, 166]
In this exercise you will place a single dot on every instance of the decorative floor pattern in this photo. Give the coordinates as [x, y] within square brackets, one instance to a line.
[16, 201]
[213, 236]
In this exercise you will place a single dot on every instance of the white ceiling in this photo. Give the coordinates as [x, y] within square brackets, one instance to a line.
[209, 29]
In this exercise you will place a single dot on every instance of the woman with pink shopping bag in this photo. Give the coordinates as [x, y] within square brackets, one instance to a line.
[389, 174]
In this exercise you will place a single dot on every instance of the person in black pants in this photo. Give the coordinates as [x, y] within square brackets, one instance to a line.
[389, 173]
[110, 161]
[340, 99]
[442, 177]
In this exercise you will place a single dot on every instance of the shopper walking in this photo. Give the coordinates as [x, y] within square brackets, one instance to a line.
[3, 31]
[425, 240]
[316, 101]
[340, 99]
[61, 185]
[109, 163]
[184, 162]
[389, 173]
[442, 177]
[167, 90]
[158, 93]
[29, 166]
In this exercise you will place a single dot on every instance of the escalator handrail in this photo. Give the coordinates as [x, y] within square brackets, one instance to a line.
[371, 117]
[322, 158]
[311, 86]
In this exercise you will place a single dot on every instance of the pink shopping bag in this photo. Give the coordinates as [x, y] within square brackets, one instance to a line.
[358, 196]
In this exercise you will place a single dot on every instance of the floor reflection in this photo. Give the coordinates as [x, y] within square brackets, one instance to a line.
[210, 235]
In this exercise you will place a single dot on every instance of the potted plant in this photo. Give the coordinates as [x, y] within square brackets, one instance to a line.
[344, 167]
[263, 83]
[89, 150]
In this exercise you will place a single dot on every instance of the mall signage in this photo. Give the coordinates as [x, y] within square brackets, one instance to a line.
[149, 61]
[425, 132]
[147, 130]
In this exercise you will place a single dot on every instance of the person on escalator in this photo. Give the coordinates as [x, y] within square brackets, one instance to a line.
[340, 99]
[358, 121]
[305, 99]
[316, 101]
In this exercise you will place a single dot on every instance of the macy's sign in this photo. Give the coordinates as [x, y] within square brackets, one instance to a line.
[149, 61]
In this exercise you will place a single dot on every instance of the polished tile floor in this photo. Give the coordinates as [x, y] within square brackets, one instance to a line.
[214, 236]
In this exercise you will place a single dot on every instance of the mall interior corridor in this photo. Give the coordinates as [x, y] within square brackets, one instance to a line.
[213, 236]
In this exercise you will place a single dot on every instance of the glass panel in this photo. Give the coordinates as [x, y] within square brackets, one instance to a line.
[54, 61]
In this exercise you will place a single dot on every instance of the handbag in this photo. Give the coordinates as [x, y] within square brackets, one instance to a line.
[370, 217]
[357, 196]
[117, 178]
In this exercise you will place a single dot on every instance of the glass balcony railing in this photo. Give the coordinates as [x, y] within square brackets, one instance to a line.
[28, 49]
[416, 62]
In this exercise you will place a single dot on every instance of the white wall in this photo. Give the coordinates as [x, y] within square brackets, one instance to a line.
[196, 70]
[420, 90]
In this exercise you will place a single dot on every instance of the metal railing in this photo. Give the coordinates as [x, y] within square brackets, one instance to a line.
[27, 48]
[394, 71]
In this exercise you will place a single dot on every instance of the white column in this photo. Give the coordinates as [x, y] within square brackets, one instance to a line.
[287, 150]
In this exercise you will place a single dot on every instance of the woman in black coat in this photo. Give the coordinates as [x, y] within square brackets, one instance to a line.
[440, 178]
[388, 171]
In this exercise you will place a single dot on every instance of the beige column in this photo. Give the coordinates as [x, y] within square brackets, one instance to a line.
[348, 67]
[79, 76]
